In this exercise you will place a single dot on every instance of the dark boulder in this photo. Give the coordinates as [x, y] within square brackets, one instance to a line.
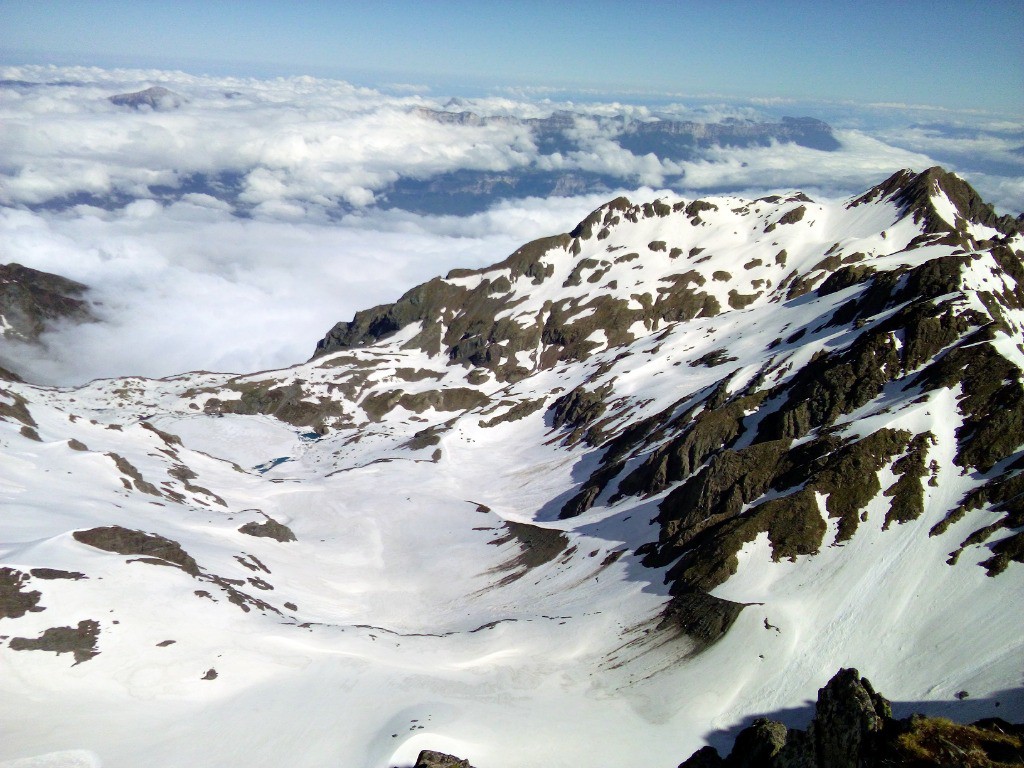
[430, 759]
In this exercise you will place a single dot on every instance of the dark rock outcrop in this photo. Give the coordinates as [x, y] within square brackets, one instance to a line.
[79, 641]
[430, 759]
[703, 618]
[151, 546]
[853, 727]
[270, 529]
[15, 600]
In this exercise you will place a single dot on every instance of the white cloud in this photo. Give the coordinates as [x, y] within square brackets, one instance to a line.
[296, 140]
[1005, 193]
[935, 141]
[860, 163]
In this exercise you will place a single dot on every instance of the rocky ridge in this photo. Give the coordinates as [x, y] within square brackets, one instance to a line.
[563, 133]
[667, 138]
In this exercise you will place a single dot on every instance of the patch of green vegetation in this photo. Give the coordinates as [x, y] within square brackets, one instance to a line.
[938, 741]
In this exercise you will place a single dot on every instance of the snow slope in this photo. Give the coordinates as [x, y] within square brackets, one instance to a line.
[372, 551]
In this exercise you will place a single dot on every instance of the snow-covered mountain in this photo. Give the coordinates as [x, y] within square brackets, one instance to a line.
[599, 504]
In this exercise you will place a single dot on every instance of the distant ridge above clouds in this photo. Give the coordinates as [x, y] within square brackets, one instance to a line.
[302, 147]
[157, 97]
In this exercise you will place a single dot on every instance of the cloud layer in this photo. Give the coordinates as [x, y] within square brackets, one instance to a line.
[231, 232]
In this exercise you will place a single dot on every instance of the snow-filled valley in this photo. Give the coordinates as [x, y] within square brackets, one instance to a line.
[478, 520]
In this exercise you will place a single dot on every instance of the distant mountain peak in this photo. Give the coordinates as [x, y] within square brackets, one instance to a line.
[922, 195]
[156, 98]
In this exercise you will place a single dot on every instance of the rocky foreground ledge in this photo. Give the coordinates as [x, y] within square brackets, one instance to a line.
[853, 727]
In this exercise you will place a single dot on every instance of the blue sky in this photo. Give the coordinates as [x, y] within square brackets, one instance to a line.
[952, 54]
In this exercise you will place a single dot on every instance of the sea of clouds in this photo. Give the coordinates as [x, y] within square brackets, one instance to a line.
[300, 236]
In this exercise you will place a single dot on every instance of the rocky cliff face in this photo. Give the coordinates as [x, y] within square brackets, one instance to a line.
[31, 300]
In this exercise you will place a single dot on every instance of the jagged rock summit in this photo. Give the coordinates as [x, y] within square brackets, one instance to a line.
[657, 471]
